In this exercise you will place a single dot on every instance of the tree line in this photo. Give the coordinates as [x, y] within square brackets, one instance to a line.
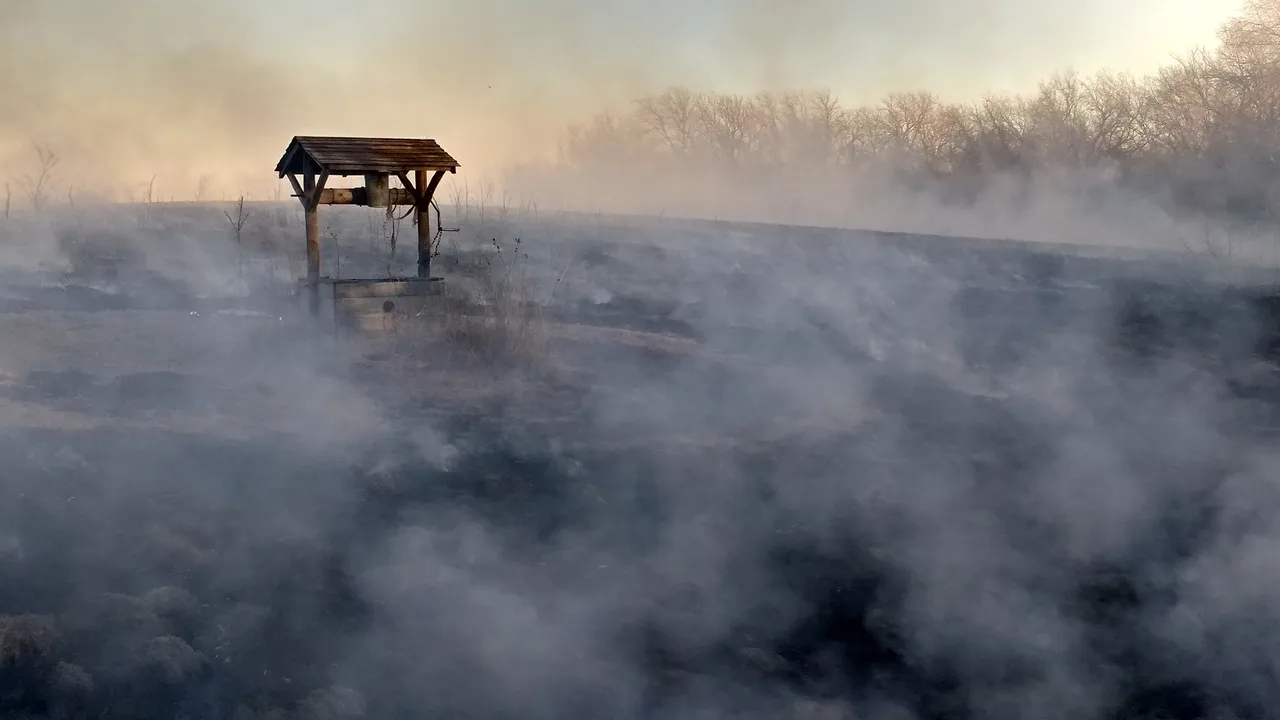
[1202, 134]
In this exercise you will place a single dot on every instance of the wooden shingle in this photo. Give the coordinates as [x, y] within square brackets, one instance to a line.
[357, 156]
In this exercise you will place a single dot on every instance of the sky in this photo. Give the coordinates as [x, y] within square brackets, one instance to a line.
[151, 87]
[859, 47]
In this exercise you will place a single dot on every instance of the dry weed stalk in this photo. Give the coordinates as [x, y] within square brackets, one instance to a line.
[237, 227]
[8, 200]
[337, 252]
[238, 221]
[147, 200]
[71, 203]
[271, 246]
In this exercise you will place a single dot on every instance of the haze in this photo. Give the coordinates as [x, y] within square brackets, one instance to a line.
[182, 89]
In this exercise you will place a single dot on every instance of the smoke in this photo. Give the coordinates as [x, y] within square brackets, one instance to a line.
[183, 90]
[179, 91]
[726, 469]
[893, 480]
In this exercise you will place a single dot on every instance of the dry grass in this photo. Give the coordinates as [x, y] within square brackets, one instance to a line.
[487, 315]
[498, 328]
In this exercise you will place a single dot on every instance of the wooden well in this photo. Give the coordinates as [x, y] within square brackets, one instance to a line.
[309, 161]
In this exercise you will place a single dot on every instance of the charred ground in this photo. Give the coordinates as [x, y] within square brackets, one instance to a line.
[859, 496]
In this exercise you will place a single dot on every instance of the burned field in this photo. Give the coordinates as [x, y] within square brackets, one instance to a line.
[747, 471]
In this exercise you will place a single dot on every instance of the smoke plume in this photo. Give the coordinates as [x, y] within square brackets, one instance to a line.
[623, 466]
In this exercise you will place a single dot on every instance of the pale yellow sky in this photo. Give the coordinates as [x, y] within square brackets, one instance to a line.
[142, 87]
[960, 49]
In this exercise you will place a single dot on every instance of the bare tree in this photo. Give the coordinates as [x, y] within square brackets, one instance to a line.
[1254, 33]
[829, 124]
[1115, 105]
[1202, 133]
[1184, 106]
[672, 118]
[37, 185]
[1245, 72]
[866, 135]
[202, 188]
[921, 130]
[607, 141]
[806, 128]
[994, 136]
[1059, 121]
[727, 122]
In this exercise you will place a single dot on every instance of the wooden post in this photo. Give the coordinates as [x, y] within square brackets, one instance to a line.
[424, 224]
[313, 242]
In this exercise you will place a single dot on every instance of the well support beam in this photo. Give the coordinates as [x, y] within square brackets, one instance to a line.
[312, 189]
[430, 192]
[423, 207]
[313, 242]
[424, 192]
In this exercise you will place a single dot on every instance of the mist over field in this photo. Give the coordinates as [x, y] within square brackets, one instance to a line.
[1178, 159]
[753, 406]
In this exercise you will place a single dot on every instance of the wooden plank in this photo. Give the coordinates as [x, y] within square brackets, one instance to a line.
[399, 287]
[352, 168]
[358, 196]
[356, 155]
[343, 196]
[313, 243]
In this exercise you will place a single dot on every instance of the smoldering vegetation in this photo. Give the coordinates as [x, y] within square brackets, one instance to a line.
[646, 468]
[900, 476]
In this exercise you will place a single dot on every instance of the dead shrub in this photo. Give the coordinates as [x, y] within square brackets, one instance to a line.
[489, 314]
[166, 661]
[28, 641]
[29, 650]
